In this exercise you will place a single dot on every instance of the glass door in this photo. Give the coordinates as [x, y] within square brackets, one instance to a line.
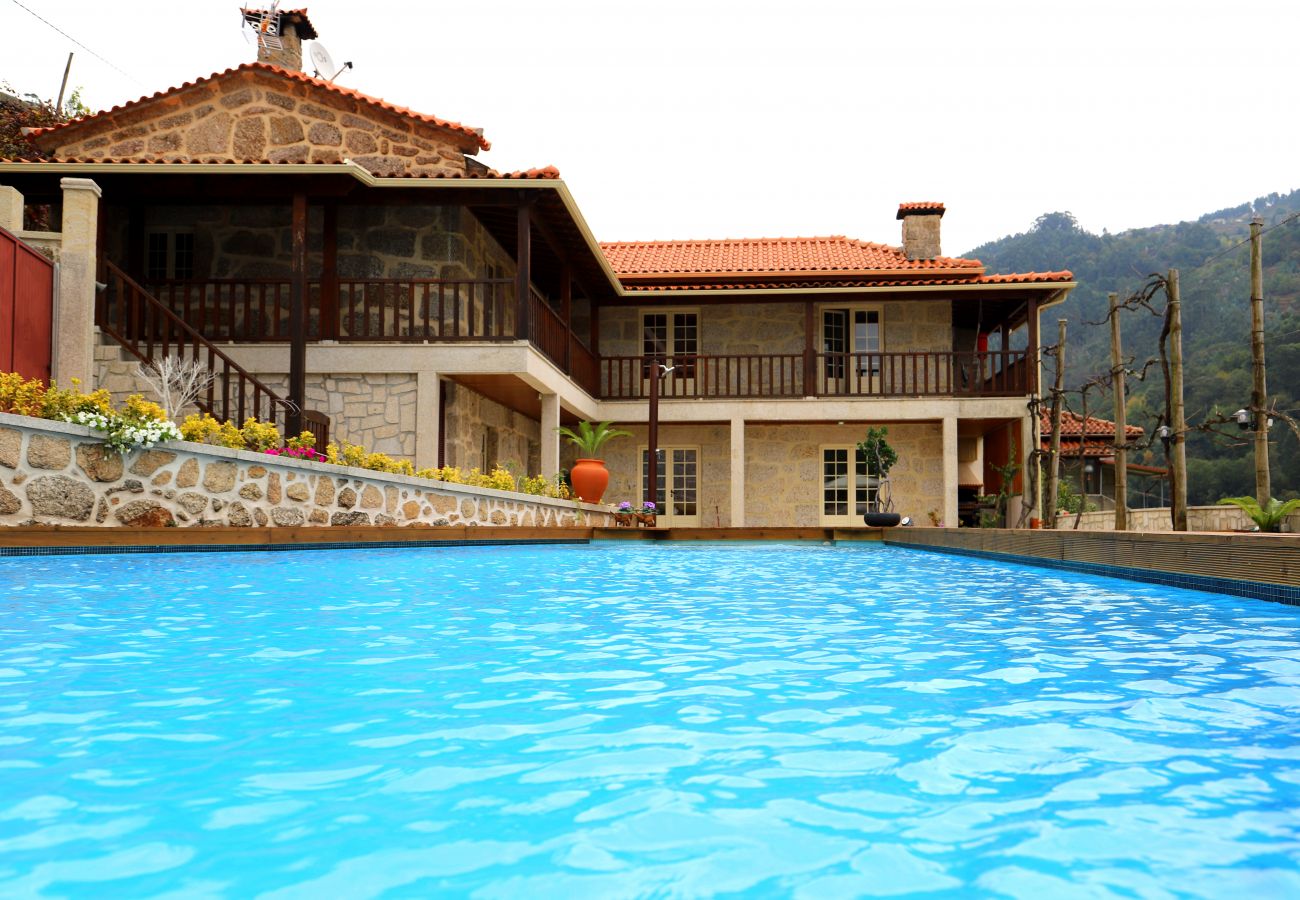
[671, 339]
[851, 351]
[847, 490]
[676, 493]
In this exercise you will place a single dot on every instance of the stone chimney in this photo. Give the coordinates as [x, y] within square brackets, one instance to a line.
[294, 27]
[921, 229]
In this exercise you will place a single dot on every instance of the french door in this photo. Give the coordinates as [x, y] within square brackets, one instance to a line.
[676, 494]
[671, 338]
[847, 489]
[850, 348]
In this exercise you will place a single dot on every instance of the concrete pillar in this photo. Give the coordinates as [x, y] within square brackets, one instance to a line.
[11, 209]
[1029, 441]
[737, 472]
[74, 302]
[951, 467]
[550, 440]
[427, 418]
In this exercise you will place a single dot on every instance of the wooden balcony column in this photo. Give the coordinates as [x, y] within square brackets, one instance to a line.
[298, 317]
[329, 275]
[566, 312]
[809, 350]
[523, 265]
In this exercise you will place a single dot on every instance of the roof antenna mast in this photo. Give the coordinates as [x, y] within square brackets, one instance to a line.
[264, 25]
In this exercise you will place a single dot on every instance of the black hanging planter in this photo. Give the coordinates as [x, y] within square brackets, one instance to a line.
[881, 519]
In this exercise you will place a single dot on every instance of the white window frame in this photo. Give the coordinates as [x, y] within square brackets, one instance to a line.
[853, 517]
[665, 516]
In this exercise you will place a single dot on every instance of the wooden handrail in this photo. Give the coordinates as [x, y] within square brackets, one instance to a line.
[149, 330]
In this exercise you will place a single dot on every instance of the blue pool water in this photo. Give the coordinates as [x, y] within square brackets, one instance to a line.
[597, 721]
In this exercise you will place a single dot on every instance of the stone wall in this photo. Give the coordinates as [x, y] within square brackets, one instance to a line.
[1199, 518]
[623, 459]
[778, 327]
[481, 433]
[783, 474]
[58, 474]
[260, 115]
[783, 470]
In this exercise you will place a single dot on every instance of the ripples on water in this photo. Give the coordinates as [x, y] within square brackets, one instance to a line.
[603, 721]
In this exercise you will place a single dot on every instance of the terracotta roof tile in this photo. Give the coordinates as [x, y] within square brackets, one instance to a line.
[473, 133]
[922, 208]
[1020, 278]
[746, 256]
[1072, 426]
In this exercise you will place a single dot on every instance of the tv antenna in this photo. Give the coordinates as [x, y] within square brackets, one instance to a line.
[265, 26]
[324, 63]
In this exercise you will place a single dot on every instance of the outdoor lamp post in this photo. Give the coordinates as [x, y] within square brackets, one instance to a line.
[652, 438]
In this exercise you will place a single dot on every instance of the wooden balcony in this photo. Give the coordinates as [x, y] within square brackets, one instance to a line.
[429, 310]
[755, 376]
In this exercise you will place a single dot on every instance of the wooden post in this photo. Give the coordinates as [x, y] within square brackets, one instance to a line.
[566, 312]
[329, 273]
[1178, 425]
[523, 267]
[1031, 354]
[63, 86]
[1259, 389]
[298, 317]
[652, 437]
[1121, 417]
[809, 350]
[1054, 455]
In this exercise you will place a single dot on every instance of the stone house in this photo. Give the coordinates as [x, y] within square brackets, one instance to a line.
[1088, 461]
[347, 264]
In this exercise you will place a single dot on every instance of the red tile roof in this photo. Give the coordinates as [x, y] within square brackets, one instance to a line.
[1072, 426]
[761, 256]
[296, 16]
[475, 134]
[924, 208]
[1027, 278]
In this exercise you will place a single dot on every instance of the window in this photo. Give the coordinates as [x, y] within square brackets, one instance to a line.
[849, 334]
[847, 491]
[676, 494]
[672, 338]
[169, 254]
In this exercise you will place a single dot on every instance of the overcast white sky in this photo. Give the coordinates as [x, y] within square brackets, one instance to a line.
[723, 118]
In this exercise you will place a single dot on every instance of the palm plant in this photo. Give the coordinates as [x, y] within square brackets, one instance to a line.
[590, 438]
[1268, 518]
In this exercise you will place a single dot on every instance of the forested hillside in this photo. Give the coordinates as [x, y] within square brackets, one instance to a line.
[1215, 287]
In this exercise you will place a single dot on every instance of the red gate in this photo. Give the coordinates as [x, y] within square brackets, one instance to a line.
[26, 309]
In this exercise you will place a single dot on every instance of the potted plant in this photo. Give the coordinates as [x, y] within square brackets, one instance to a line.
[880, 458]
[589, 477]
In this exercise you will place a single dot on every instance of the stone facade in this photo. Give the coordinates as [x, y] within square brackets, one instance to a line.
[778, 327]
[58, 474]
[482, 433]
[783, 469]
[256, 114]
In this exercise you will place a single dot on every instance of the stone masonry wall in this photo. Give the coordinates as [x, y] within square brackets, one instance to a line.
[56, 473]
[263, 116]
[623, 459]
[911, 325]
[783, 470]
[478, 427]
[1199, 518]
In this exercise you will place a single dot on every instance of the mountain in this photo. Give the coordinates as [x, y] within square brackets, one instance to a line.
[1214, 278]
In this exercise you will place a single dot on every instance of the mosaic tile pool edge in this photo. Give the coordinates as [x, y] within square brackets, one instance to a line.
[1276, 593]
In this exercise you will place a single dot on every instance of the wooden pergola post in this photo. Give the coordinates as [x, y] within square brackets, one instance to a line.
[1121, 417]
[298, 317]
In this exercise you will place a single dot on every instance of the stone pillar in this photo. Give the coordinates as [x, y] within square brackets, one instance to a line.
[74, 301]
[427, 418]
[11, 209]
[550, 440]
[951, 469]
[737, 472]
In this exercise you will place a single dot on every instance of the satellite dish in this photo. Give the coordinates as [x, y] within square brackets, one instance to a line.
[324, 63]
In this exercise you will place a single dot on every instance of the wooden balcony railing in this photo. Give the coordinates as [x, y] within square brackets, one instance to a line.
[920, 374]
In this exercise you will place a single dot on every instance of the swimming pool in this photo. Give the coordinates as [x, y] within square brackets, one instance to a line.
[615, 721]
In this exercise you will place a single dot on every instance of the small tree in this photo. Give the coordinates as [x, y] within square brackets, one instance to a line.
[880, 458]
[590, 438]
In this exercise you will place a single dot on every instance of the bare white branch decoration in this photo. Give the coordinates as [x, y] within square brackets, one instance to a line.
[176, 381]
